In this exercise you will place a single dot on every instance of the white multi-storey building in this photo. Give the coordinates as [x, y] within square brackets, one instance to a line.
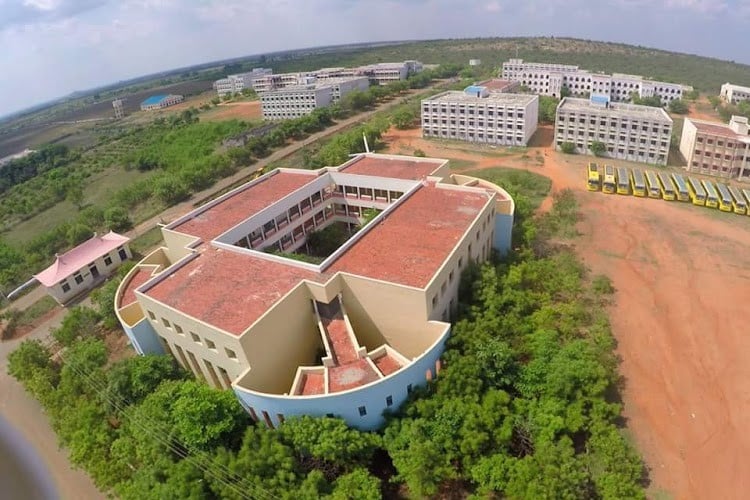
[734, 94]
[551, 79]
[233, 84]
[478, 115]
[718, 149]
[302, 99]
[629, 131]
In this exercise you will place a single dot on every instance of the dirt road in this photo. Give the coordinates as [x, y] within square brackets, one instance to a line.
[682, 276]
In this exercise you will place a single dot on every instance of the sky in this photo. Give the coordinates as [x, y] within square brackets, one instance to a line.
[50, 48]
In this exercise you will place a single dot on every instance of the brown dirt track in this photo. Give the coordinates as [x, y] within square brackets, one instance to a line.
[682, 275]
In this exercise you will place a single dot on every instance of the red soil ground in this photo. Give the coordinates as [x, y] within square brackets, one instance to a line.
[682, 275]
[244, 110]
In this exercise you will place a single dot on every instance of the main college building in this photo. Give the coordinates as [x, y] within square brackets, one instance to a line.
[351, 336]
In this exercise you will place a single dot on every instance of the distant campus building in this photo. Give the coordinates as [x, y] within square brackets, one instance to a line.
[351, 336]
[479, 114]
[85, 266]
[628, 131]
[294, 101]
[160, 102]
[717, 149]
[234, 84]
[734, 94]
[550, 79]
[377, 74]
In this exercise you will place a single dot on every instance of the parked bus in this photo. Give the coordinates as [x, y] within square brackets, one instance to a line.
[623, 181]
[638, 182]
[739, 205]
[654, 190]
[683, 194]
[697, 193]
[608, 184]
[594, 182]
[667, 188]
[725, 199]
[712, 197]
[746, 192]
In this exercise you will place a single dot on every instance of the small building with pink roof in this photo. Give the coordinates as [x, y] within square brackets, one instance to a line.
[85, 266]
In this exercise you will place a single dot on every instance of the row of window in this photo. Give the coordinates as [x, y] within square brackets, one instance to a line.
[718, 156]
[473, 111]
[611, 137]
[470, 136]
[719, 142]
[194, 336]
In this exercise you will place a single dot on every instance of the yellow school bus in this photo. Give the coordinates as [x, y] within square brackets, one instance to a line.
[746, 193]
[608, 185]
[697, 193]
[725, 199]
[683, 193]
[712, 197]
[667, 188]
[623, 181]
[654, 190]
[593, 183]
[739, 205]
[638, 182]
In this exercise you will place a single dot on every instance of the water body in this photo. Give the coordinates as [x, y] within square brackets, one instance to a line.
[23, 474]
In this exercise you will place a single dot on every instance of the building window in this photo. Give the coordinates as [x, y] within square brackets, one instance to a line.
[389, 401]
[362, 411]
[230, 353]
[460, 262]
[152, 316]
[450, 277]
[408, 389]
[166, 322]
[434, 301]
[78, 278]
[177, 328]
[65, 287]
[210, 344]
[107, 260]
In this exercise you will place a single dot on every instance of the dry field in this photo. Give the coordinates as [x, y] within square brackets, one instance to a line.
[682, 275]
[243, 110]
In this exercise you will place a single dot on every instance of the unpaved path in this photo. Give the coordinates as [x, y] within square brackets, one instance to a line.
[682, 276]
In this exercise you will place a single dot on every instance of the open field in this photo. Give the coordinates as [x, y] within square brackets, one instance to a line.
[242, 110]
[681, 274]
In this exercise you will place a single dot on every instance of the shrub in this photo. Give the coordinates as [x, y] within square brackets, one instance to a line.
[568, 148]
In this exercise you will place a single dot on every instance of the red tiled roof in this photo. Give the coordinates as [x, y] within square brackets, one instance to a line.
[141, 276]
[413, 241]
[313, 383]
[212, 222]
[718, 129]
[497, 84]
[394, 168]
[338, 338]
[228, 290]
[387, 364]
[351, 375]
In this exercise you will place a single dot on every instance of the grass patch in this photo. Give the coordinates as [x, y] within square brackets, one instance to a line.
[520, 184]
[38, 309]
[461, 164]
[143, 243]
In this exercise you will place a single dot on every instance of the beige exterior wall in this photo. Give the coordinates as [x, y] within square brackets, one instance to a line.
[192, 343]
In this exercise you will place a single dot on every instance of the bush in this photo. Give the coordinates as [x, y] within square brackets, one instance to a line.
[679, 107]
[602, 285]
[419, 153]
[117, 219]
[170, 190]
[598, 148]
[568, 148]
[78, 233]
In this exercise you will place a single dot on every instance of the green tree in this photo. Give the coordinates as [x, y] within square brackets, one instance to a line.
[78, 233]
[355, 485]
[29, 357]
[404, 118]
[547, 109]
[170, 190]
[598, 148]
[131, 380]
[80, 321]
[568, 148]
[565, 92]
[117, 219]
[679, 107]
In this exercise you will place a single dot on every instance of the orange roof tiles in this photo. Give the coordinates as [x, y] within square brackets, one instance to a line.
[226, 289]
[392, 167]
[140, 277]
[350, 375]
[387, 364]
[217, 219]
[313, 383]
[413, 241]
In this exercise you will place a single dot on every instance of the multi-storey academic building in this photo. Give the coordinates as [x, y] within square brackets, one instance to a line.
[716, 148]
[351, 335]
[300, 100]
[478, 115]
[629, 132]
